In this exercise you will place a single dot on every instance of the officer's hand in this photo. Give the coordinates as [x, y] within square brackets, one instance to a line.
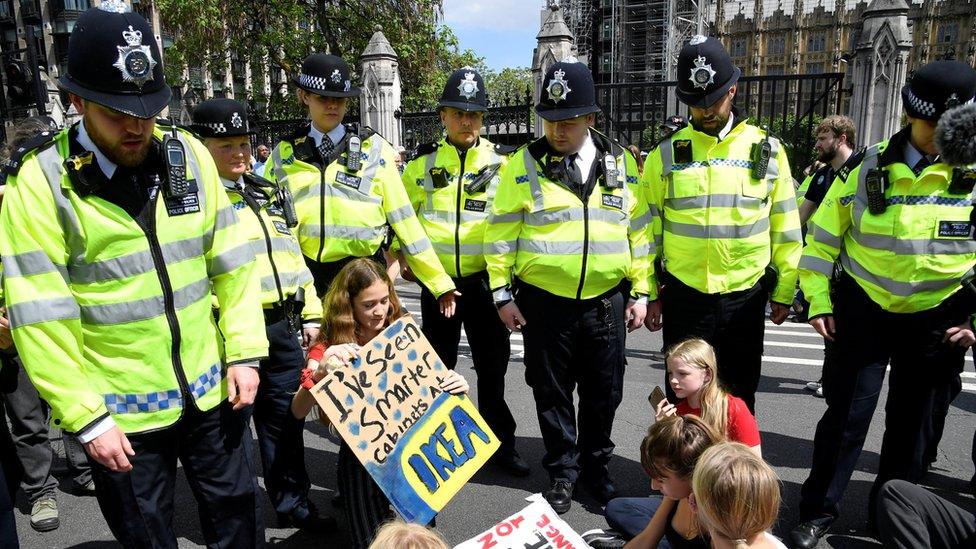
[635, 314]
[511, 316]
[110, 449]
[653, 319]
[665, 409]
[308, 335]
[779, 312]
[454, 383]
[448, 304]
[6, 338]
[407, 273]
[960, 336]
[824, 325]
[242, 385]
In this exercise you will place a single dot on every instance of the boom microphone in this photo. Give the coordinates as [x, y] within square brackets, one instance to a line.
[955, 135]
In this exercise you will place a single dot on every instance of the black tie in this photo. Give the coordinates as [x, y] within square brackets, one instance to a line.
[573, 171]
[325, 148]
[921, 165]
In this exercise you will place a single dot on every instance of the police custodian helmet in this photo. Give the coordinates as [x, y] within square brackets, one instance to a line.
[465, 90]
[113, 60]
[326, 75]
[937, 87]
[567, 91]
[220, 118]
[705, 72]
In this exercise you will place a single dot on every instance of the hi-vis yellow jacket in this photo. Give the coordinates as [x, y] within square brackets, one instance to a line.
[717, 227]
[280, 264]
[543, 233]
[113, 316]
[909, 258]
[453, 216]
[344, 213]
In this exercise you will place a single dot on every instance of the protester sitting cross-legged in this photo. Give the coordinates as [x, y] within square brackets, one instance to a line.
[736, 496]
[693, 375]
[668, 454]
[359, 304]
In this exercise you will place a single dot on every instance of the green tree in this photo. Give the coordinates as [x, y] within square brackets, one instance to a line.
[508, 85]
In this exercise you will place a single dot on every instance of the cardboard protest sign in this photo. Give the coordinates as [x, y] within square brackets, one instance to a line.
[420, 444]
[535, 527]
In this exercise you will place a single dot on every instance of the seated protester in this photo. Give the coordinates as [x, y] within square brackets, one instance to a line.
[736, 497]
[360, 303]
[668, 453]
[910, 516]
[404, 535]
[693, 373]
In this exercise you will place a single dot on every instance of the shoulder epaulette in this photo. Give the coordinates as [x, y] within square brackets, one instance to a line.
[364, 132]
[39, 141]
[851, 163]
[504, 150]
[257, 180]
[425, 148]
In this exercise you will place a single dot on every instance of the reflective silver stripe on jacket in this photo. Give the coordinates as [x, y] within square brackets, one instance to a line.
[716, 231]
[142, 309]
[550, 217]
[894, 287]
[534, 187]
[429, 162]
[572, 247]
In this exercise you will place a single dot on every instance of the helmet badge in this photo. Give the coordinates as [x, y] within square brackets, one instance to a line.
[135, 60]
[236, 120]
[558, 87]
[468, 87]
[702, 74]
[336, 77]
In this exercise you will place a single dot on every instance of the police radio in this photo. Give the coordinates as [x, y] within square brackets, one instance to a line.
[963, 180]
[353, 150]
[875, 184]
[481, 179]
[760, 157]
[175, 156]
[284, 199]
[611, 179]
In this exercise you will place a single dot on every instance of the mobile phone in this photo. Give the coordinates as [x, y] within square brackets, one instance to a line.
[656, 396]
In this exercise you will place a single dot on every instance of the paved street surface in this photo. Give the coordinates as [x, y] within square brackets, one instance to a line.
[787, 416]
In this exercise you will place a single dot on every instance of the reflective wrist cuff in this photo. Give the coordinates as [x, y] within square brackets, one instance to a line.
[96, 430]
[311, 324]
[245, 364]
[501, 294]
[640, 300]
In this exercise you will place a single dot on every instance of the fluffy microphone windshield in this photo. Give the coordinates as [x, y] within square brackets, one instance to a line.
[955, 135]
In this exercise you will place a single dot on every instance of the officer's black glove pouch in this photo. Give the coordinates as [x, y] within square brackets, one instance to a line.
[439, 177]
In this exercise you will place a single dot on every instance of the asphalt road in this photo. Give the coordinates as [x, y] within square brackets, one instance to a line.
[787, 416]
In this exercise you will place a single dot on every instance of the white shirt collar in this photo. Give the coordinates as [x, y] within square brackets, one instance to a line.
[725, 131]
[237, 184]
[336, 134]
[913, 155]
[585, 156]
[108, 167]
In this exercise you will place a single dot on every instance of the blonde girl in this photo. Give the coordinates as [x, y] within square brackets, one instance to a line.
[404, 535]
[693, 376]
[736, 496]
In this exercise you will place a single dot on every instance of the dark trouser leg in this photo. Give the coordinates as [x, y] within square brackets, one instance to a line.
[687, 313]
[443, 333]
[853, 377]
[551, 338]
[490, 351]
[214, 451]
[738, 343]
[29, 428]
[366, 505]
[280, 433]
[599, 373]
[940, 409]
[76, 458]
[910, 516]
[630, 516]
[8, 523]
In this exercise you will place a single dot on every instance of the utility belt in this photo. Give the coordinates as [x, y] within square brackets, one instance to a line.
[290, 309]
[526, 290]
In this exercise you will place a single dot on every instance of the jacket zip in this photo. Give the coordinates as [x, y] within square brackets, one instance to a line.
[321, 212]
[586, 248]
[457, 217]
[267, 239]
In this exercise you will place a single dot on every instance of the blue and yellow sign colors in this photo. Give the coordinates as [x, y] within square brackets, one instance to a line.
[420, 444]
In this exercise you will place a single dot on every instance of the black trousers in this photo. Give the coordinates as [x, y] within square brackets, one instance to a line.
[9, 470]
[574, 345]
[490, 348]
[280, 434]
[324, 273]
[367, 507]
[734, 324]
[910, 516]
[922, 367]
[213, 448]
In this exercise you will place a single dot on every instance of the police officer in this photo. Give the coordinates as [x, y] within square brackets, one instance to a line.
[451, 184]
[900, 228]
[346, 185]
[569, 222]
[725, 223]
[267, 221]
[113, 234]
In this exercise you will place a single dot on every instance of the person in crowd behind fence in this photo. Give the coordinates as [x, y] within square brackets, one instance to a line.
[358, 306]
[266, 218]
[566, 245]
[347, 190]
[736, 496]
[900, 227]
[261, 154]
[724, 221]
[111, 248]
[452, 185]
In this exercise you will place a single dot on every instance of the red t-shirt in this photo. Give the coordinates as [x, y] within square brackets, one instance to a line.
[315, 352]
[742, 425]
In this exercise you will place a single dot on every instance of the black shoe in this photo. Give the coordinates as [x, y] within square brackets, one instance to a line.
[806, 535]
[307, 518]
[560, 496]
[603, 539]
[512, 462]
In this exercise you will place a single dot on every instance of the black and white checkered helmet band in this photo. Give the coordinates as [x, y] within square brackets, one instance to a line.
[217, 127]
[315, 82]
[920, 105]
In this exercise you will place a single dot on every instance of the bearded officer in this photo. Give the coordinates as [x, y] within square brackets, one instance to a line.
[113, 235]
[725, 223]
[566, 248]
[451, 184]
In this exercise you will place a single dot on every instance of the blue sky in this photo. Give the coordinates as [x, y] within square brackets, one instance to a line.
[501, 31]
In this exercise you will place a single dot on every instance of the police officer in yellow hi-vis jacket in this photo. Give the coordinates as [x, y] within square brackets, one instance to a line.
[451, 184]
[566, 248]
[267, 221]
[724, 223]
[113, 235]
[346, 186]
[900, 227]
